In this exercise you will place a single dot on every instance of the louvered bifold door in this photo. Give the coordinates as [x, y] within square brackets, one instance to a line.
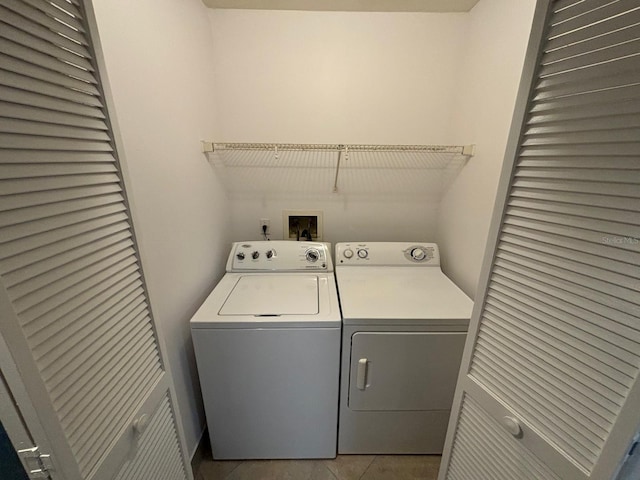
[549, 384]
[73, 302]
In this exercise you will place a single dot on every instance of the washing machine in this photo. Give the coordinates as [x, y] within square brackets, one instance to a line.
[404, 328]
[267, 345]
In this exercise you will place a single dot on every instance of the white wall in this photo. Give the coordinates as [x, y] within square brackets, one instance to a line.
[498, 33]
[337, 77]
[157, 55]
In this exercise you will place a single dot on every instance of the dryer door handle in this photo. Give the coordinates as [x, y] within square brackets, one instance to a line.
[361, 376]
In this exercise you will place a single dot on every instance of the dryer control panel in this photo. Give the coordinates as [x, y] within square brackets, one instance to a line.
[280, 255]
[388, 254]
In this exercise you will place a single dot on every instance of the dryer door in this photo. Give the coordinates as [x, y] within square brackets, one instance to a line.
[404, 370]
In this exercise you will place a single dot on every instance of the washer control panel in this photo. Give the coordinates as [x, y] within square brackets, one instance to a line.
[387, 254]
[279, 255]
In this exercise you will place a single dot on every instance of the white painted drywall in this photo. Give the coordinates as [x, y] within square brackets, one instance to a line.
[344, 219]
[336, 77]
[157, 54]
[498, 33]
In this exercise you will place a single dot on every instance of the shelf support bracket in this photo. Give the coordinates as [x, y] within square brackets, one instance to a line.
[335, 181]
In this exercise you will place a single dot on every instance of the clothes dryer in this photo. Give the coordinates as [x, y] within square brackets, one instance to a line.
[267, 344]
[404, 328]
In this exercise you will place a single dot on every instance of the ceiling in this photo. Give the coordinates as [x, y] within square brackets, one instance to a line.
[349, 5]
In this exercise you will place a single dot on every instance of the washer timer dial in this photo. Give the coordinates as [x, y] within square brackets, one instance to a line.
[362, 253]
[312, 255]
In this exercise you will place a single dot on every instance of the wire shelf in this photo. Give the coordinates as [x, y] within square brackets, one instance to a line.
[311, 169]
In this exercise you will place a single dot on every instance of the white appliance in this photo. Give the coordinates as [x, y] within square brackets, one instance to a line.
[404, 328]
[267, 343]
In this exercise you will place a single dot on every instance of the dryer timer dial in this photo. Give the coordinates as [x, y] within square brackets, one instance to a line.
[418, 254]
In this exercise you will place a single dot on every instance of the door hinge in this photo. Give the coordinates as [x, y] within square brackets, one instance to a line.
[38, 464]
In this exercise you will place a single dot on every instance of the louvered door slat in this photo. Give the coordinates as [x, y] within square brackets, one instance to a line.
[32, 27]
[16, 111]
[34, 319]
[52, 143]
[612, 24]
[609, 10]
[69, 266]
[593, 44]
[589, 125]
[43, 198]
[63, 12]
[574, 243]
[24, 127]
[30, 272]
[64, 282]
[578, 349]
[26, 69]
[22, 82]
[574, 291]
[39, 212]
[594, 224]
[625, 50]
[16, 171]
[128, 390]
[499, 304]
[45, 184]
[553, 305]
[57, 355]
[48, 340]
[62, 240]
[609, 201]
[45, 60]
[38, 44]
[35, 99]
[617, 276]
[577, 9]
[68, 391]
[61, 356]
[43, 20]
[538, 359]
[70, 8]
[568, 161]
[35, 156]
[588, 100]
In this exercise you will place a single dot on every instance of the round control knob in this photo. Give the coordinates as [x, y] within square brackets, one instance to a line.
[313, 255]
[418, 254]
[240, 256]
[269, 253]
[255, 255]
[348, 253]
[362, 253]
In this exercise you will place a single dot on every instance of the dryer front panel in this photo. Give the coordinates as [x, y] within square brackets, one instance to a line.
[404, 370]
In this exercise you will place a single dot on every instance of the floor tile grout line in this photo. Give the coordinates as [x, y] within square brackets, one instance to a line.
[368, 466]
[232, 470]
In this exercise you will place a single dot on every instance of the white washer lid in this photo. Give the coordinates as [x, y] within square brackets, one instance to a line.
[273, 295]
[401, 293]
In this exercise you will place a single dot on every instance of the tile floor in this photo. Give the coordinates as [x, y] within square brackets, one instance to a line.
[344, 467]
